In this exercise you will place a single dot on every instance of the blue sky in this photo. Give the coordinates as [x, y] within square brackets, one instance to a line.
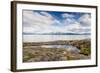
[52, 21]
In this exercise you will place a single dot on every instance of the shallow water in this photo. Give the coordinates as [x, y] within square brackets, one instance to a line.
[67, 47]
[46, 38]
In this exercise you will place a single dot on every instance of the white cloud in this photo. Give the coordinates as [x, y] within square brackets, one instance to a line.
[33, 21]
[46, 14]
[85, 20]
[33, 18]
[41, 22]
[82, 25]
[66, 15]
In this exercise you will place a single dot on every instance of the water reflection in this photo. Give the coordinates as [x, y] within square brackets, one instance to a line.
[67, 47]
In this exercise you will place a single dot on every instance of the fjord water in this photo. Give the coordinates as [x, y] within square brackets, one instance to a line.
[47, 38]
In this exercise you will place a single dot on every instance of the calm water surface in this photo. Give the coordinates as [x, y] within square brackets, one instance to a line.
[46, 38]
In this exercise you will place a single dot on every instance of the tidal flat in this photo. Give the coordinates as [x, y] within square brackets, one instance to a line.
[61, 50]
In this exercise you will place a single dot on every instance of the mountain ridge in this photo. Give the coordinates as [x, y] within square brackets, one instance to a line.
[57, 33]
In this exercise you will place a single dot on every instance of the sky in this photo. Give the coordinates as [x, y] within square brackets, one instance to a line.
[37, 21]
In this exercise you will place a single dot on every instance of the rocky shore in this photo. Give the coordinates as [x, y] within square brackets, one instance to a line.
[33, 52]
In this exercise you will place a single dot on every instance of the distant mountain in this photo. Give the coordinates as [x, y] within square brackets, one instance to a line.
[58, 33]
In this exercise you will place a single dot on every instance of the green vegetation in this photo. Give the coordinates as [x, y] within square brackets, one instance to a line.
[72, 58]
[27, 57]
[85, 51]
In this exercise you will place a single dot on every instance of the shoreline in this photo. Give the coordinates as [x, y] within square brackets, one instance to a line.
[59, 42]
